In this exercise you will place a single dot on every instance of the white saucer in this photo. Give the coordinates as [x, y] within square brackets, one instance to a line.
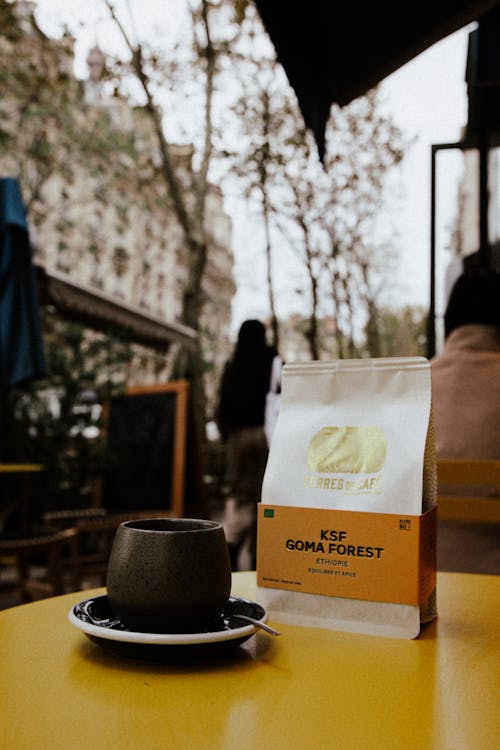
[224, 631]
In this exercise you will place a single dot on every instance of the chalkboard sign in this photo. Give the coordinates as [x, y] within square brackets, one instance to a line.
[146, 449]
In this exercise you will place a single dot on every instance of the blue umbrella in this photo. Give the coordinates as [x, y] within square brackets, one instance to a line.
[21, 346]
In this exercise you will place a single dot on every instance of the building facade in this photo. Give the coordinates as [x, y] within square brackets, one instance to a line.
[98, 206]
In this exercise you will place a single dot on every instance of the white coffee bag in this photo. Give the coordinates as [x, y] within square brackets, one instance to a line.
[353, 435]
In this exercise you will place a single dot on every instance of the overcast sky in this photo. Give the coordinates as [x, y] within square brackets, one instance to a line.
[427, 98]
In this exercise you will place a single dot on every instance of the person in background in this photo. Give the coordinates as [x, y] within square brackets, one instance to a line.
[466, 374]
[240, 419]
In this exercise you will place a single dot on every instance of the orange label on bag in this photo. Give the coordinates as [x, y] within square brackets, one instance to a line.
[381, 557]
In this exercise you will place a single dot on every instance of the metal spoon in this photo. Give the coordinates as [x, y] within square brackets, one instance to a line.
[257, 623]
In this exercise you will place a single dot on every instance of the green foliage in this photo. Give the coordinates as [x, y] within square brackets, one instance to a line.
[402, 333]
[4, 136]
[8, 21]
[58, 421]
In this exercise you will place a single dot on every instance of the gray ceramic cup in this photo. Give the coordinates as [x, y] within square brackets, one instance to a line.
[169, 575]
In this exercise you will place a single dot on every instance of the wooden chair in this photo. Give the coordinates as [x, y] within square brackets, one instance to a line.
[41, 563]
[63, 519]
[468, 491]
[468, 516]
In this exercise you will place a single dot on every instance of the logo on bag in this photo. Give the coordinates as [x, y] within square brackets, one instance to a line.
[347, 450]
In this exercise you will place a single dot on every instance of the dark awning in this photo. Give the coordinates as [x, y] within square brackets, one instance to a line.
[22, 356]
[103, 312]
[334, 52]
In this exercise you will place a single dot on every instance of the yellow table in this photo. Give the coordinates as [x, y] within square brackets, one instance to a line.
[20, 468]
[308, 688]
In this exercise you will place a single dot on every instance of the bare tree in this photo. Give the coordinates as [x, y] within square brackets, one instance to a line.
[260, 110]
[302, 209]
[189, 206]
[363, 145]
[326, 215]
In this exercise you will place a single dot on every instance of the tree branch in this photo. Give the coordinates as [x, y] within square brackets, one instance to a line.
[210, 57]
[167, 166]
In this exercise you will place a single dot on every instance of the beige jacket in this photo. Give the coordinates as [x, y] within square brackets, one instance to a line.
[466, 394]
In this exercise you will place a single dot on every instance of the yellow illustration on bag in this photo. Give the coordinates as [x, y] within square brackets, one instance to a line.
[349, 450]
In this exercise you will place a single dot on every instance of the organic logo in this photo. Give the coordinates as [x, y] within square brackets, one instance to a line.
[348, 450]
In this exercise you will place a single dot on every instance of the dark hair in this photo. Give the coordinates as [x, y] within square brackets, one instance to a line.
[475, 298]
[251, 340]
[245, 380]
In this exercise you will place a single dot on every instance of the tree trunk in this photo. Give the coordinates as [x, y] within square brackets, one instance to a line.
[270, 290]
[263, 184]
[312, 330]
[189, 363]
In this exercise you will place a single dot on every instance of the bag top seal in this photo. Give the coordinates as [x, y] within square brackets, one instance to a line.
[380, 363]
